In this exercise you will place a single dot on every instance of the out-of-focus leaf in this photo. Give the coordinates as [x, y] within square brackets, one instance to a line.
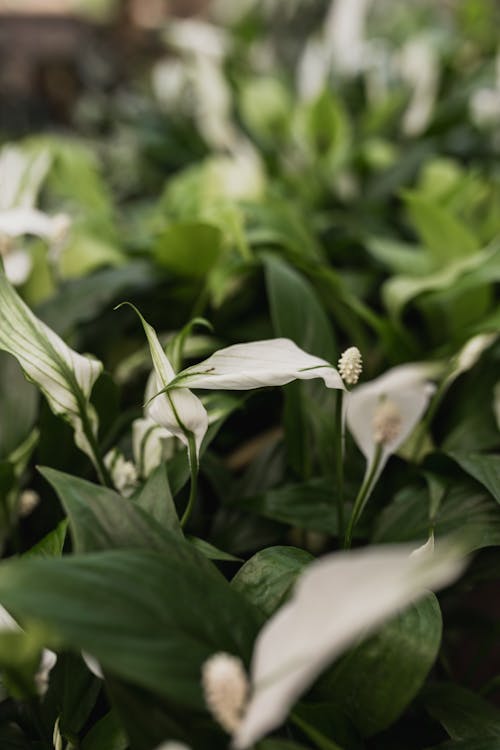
[483, 467]
[308, 505]
[446, 237]
[211, 552]
[106, 734]
[18, 405]
[463, 713]
[137, 612]
[189, 248]
[267, 577]
[377, 680]
[464, 509]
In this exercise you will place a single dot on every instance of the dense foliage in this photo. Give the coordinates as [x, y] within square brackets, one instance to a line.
[161, 494]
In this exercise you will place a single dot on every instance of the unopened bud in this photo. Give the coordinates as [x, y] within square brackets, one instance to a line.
[386, 422]
[350, 365]
[225, 686]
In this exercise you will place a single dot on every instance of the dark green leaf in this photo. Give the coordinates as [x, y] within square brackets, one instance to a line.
[211, 552]
[483, 467]
[464, 714]
[376, 681]
[309, 505]
[137, 612]
[156, 499]
[100, 519]
[269, 575]
[18, 405]
[106, 734]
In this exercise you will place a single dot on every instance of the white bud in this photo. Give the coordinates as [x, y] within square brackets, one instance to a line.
[28, 501]
[387, 422]
[225, 686]
[350, 365]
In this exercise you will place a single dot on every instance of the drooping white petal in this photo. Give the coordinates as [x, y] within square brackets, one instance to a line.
[17, 264]
[48, 658]
[258, 364]
[407, 388]
[148, 444]
[178, 410]
[65, 377]
[18, 221]
[339, 598]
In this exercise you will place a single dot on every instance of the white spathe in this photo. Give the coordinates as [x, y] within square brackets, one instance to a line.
[408, 388]
[47, 660]
[179, 411]
[338, 599]
[259, 364]
[65, 377]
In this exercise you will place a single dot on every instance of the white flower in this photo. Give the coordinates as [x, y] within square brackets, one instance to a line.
[419, 65]
[65, 377]
[48, 658]
[258, 364]
[407, 390]
[338, 599]
[225, 687]
[123, 472]
[350, 365]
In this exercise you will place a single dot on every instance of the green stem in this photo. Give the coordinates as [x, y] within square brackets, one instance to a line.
[426, 421]
[339, 463]
[100, 466]
[363, 495]
[193, 489]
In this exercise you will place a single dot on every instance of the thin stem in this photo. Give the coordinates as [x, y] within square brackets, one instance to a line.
[339, 462]
[100, 466]
[193, 489]
[363, 495]
[429, 416]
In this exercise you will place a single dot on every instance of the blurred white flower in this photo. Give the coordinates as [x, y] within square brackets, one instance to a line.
[47, 660]
[408, 390]
[419, 67]
[338, 599]
[344, 35]
[122, 472]
[225, 687]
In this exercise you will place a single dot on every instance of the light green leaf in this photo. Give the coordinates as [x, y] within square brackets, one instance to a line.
[268, 576]
[52, 543]
[189, 249]
[155, 497]
[446, 237]
[65, 377]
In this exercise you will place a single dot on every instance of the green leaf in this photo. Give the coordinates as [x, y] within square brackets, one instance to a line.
[52, 543]
[189, 249]
[308, 505]
[446, 237]
[481, 268]
[211, 552]
[269, 575]
[100, 519]
[106, 734]
[483, 467]
[73, 692]
[488, 743]
[464, 510]
[137, 612]
[155, 497]
[64, 377]
[377, 680]
[297, 314]
[295, 309]
[279, 745]
[463, 713]
[18, 406]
